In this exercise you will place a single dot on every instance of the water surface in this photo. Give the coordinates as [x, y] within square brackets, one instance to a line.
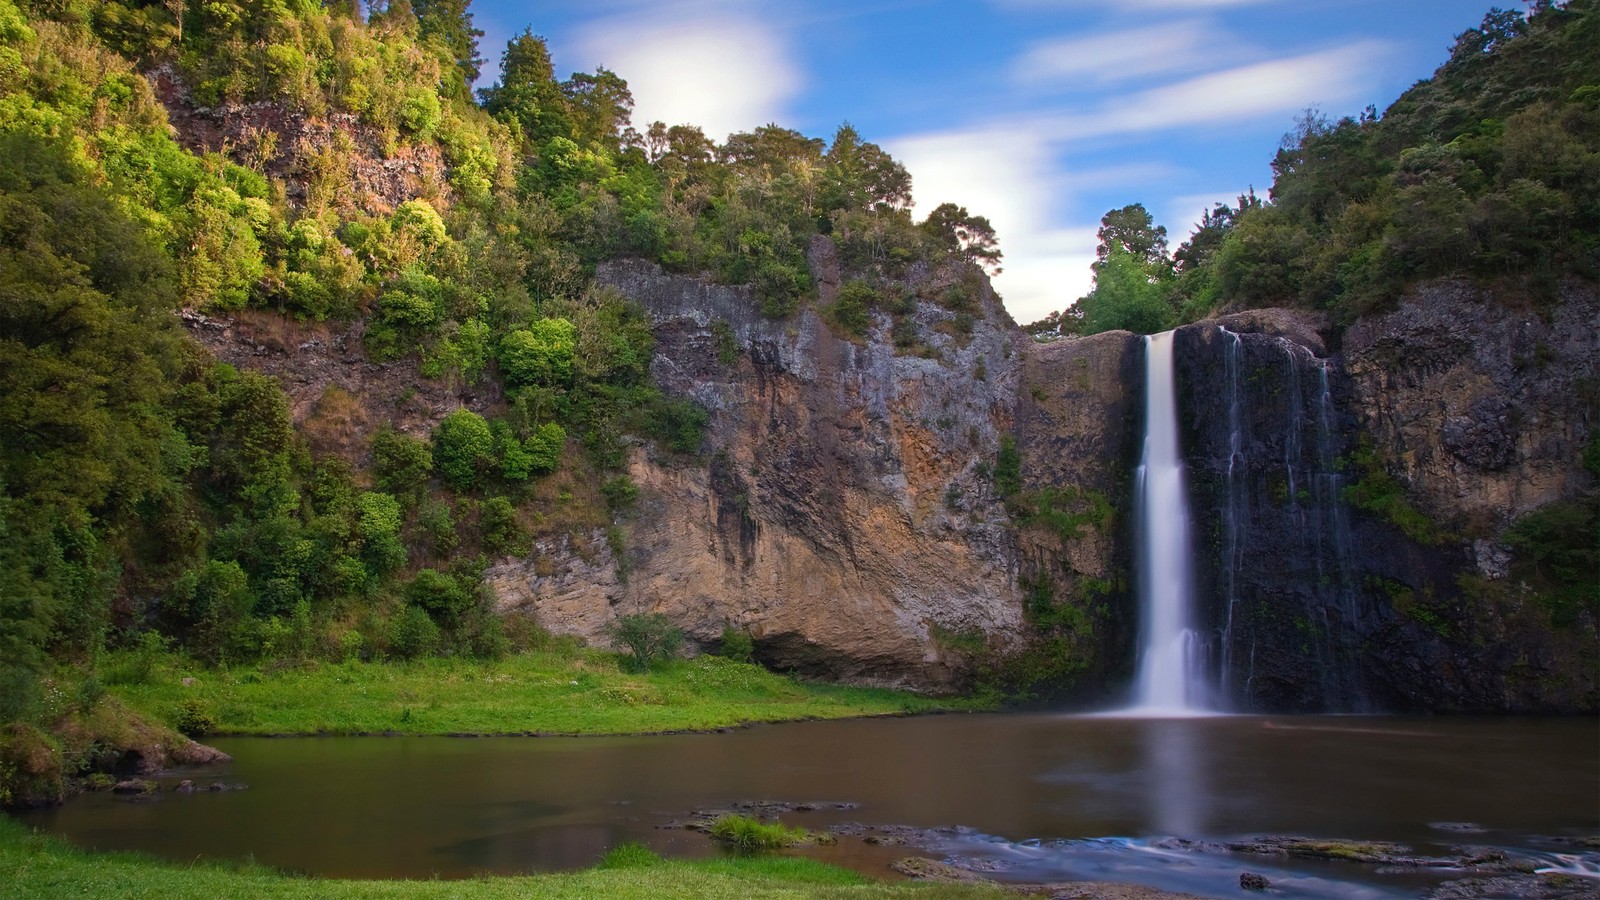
[1053, 797]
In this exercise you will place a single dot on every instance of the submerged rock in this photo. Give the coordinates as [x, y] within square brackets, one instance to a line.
[1252, 881]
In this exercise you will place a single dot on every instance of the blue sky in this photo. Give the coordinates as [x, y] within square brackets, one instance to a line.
[1040, 114]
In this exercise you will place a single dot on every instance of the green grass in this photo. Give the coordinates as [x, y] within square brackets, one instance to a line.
[33, 865]
[559, 692]
[748, 835]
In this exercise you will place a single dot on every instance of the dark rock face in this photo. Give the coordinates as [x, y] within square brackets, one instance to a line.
[1079, 429]
[1314, 602]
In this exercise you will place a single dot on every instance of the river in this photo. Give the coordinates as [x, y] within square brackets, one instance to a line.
[1037, 797]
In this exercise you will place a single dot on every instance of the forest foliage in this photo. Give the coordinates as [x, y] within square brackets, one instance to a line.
[148, 493]
[1488, 170]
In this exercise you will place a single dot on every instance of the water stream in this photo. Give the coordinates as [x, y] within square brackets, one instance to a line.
[1171, 679]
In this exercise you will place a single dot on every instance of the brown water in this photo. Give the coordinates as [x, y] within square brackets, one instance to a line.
[1049, 797]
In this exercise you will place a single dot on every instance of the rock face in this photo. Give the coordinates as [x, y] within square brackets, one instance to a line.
[337, 396]
[841, 514]
[1461, 416]
[1078, 433]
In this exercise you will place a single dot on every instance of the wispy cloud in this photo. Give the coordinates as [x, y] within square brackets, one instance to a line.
[1117, 56]
[1012, 176]
[1246, 92]
[699, 63]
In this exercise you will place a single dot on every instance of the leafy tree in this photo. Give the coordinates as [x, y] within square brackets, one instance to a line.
[600, 107]
[528, 94]
[447, 25]
[442, 596]
[1132, 231]
[647, 638]
[541, 354]
[401, 463]
[959, 233]
[463, 448]
[1126, 295]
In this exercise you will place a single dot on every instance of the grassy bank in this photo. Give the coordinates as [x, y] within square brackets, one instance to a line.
[561, 691]
[32, 865]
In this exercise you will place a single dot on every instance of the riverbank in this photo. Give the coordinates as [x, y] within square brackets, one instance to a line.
[37, 866]
[565, 691]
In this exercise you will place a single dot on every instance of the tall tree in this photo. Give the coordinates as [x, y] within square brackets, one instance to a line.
[600, 107]
[1132, 230]
[447, 25]
[959, 232]
[528, 93]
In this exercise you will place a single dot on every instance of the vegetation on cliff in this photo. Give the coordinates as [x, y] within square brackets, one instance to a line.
[1487, 170]
[330, 162]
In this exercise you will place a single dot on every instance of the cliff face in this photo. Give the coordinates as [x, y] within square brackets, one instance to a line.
[1351, 502]
[843, 518]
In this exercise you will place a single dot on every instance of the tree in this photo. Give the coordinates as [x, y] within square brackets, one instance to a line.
[447, 25]
[1127, 295]
[1133, 231]
[528, 94]
[463, 448]
[647, 638]
[541, 354]
[600, 107]
[860, 175]
[971, 237]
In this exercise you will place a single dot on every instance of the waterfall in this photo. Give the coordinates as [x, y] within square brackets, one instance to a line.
[1234, 512]
[1170, 672]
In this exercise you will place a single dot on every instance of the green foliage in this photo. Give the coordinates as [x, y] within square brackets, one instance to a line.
[1129, 293]
[500, 528]
[442, 596]
[1376, 491]
[620, 492]
[851, 312]
[379, 529]
[647, 638]
[413, 634]
[1066, 511]
[401, 464]
[736, 644]
[463, 448]
[1008, 468]
[195, 718]
[541, 354]
[747, 835]
[1558, 553]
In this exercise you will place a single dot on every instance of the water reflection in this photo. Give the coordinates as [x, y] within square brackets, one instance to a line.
[1076, 796]
[1177, 794]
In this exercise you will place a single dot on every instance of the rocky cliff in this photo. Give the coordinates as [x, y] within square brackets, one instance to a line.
[1352, 498]
[840, 513]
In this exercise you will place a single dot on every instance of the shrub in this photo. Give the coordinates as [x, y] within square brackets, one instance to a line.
[402, 464]
[463, 448]
[748, 835]
[498, 525]
[647, 637]
[441, 596]
[412, 634]
[736, 644]
[541, 354]
[620, 492]
[194, 718]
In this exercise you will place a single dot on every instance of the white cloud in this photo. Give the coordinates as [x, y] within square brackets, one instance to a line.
[1117, 56]
[1247, 92]
[1008, 175]
[725, 72]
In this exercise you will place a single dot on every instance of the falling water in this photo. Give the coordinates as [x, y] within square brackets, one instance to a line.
[1169, 678]
[1234, 512]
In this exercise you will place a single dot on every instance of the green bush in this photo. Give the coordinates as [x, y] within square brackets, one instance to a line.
[647, 638]
[195, 718]
[401, 464]
[736, 644]
[541, 354]
[498, 525]
[620, 492]
[413, 634]
[440, 595]
[463, 448]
